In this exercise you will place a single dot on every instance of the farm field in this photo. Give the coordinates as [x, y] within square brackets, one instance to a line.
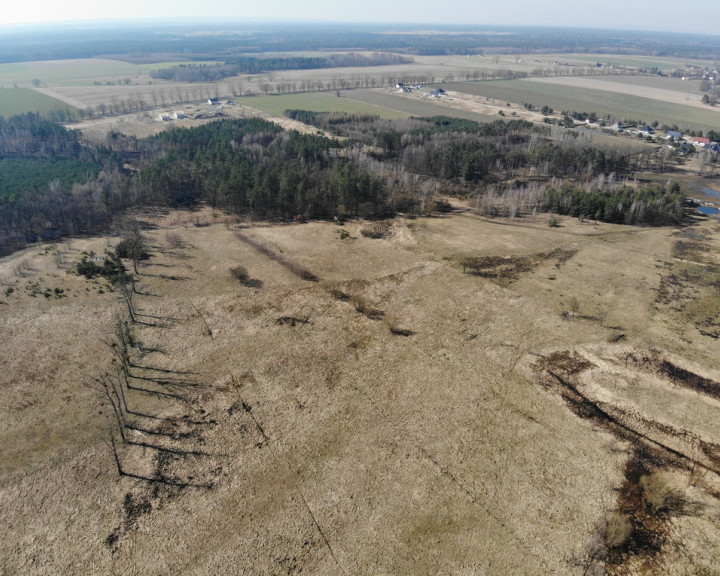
[574, 97]
[21, 100]
[669, 92]
[80, 72]
[667, 64]
[530, 63]
[318, 102]
[397, 416]
[686, 88]
[95, 82]
[414, 106]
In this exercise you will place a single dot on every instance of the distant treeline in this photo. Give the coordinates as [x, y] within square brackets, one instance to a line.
[252, 65]
[221, 42]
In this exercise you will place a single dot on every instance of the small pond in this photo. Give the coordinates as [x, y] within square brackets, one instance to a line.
[708, 210]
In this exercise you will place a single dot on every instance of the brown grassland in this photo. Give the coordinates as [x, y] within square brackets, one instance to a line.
[437, 395]
[395, 413]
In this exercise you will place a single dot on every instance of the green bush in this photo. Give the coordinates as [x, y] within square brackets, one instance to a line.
[110, 268]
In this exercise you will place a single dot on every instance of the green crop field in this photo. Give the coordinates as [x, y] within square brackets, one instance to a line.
[320, 102]
[602, 102]
[414, 107]
[21, 100]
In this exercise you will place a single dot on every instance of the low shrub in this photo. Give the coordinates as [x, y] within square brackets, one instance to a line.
[240, 273]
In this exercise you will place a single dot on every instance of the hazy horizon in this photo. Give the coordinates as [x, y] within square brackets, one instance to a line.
[640, 15]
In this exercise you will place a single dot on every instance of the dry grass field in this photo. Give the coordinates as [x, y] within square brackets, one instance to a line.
[553, 412]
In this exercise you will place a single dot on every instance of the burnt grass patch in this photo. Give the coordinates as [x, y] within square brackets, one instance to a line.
[692, 282]
[639, 527]
[507, 269]
[691, 289]
[689, 379]
[678, 375]
[292, 320]
[646, 504]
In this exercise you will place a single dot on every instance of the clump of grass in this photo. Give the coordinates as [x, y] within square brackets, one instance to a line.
[659, 494]
[396, 328]
[618, 531]
[506, 269]
[560, 255]
[292, 320]
[336, 290]
[362, 306]
[240, 273]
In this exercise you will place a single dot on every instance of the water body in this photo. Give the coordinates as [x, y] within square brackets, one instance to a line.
[708, 210]
[710, 192]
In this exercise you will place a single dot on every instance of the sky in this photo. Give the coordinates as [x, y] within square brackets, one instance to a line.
[695, 16]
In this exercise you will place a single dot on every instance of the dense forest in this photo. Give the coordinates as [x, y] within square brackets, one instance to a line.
[253, 65]
[252, 166]
[624, 205]
[51, 185]
[54, 184]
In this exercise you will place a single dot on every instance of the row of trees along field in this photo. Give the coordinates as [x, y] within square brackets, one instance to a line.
[250, 166]
[254, 65]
